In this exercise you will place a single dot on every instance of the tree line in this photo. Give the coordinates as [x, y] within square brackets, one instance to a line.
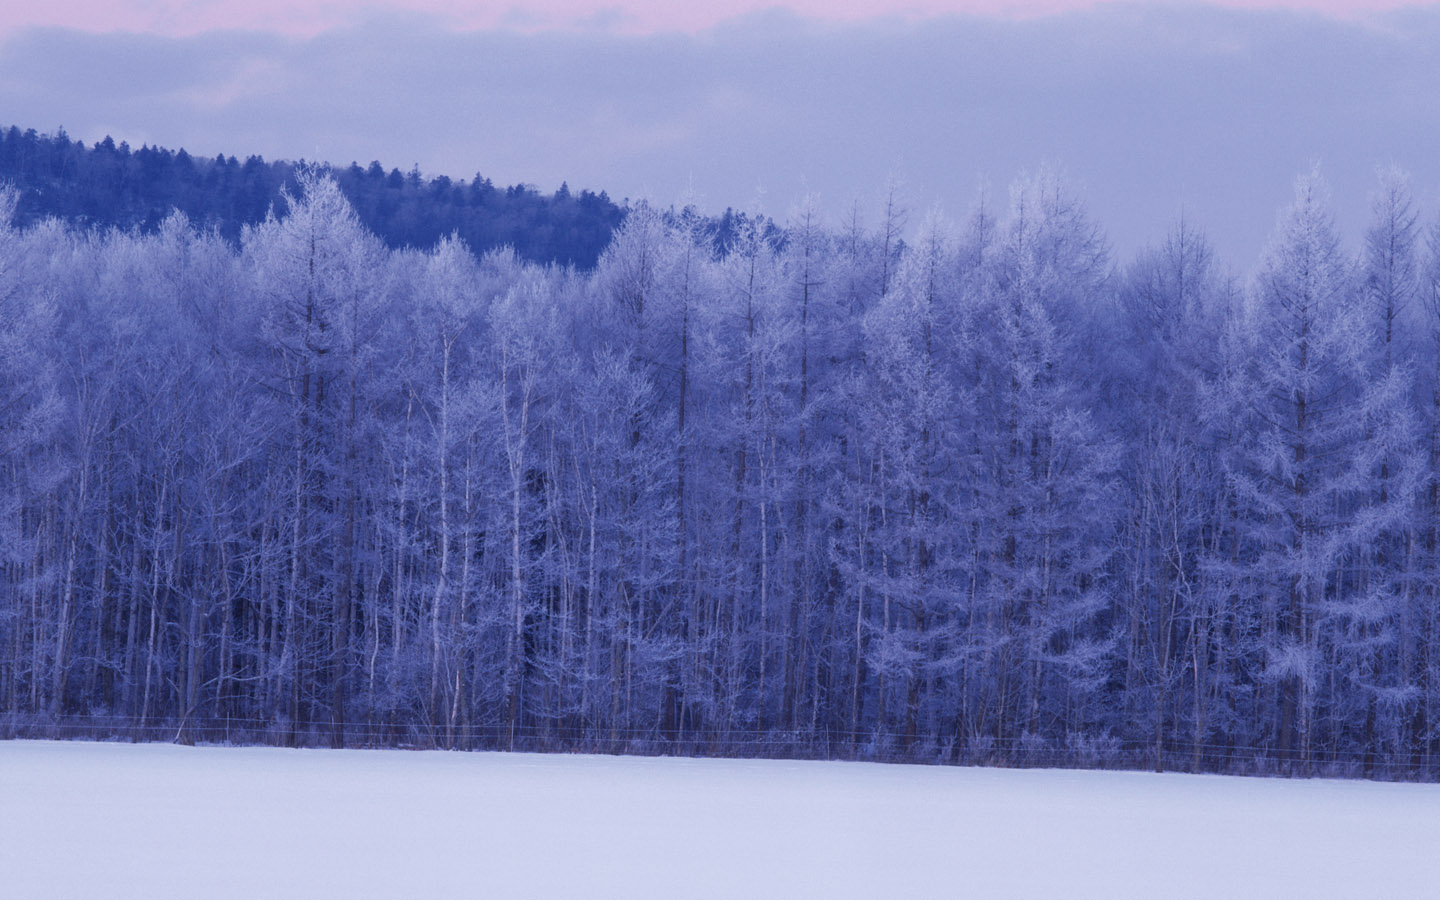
[111, 185]
[982, 495]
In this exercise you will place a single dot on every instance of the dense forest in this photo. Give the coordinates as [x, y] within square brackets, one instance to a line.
[981, 495]
[109, 185]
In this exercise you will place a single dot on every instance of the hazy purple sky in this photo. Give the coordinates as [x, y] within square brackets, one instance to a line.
[1150, 108]
[309, 17]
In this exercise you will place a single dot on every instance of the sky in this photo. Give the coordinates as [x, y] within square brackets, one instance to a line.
[310, 17]
[1150, 109]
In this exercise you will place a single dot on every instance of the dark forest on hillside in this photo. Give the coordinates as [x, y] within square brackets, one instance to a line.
[112, 185]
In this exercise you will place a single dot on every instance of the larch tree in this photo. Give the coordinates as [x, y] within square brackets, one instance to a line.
[316, 266]
[1300, 471]
[1050, 470]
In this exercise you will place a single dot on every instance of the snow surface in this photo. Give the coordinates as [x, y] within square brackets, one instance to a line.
[95, 821]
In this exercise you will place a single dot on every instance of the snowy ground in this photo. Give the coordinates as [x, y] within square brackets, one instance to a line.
[116, 821]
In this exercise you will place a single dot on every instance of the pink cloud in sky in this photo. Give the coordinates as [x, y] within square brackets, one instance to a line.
[309, 17]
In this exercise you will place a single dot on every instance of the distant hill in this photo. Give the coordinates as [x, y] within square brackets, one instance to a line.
[106, 184]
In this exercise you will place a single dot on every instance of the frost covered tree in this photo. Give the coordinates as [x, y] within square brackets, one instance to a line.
[1316, 437]
[1377, 646]
[1049, 468]
[1173, 307]
[919, 347]
[32, 468]
[315, 268]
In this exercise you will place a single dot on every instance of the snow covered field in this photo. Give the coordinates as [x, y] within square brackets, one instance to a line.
[94, 821]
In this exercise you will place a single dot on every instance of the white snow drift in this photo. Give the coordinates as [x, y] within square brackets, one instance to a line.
[89, 821]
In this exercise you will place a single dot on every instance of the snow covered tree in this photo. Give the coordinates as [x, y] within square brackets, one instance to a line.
[1173, 307]
[1046, 508]
[1303, 469]
[316, 266]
